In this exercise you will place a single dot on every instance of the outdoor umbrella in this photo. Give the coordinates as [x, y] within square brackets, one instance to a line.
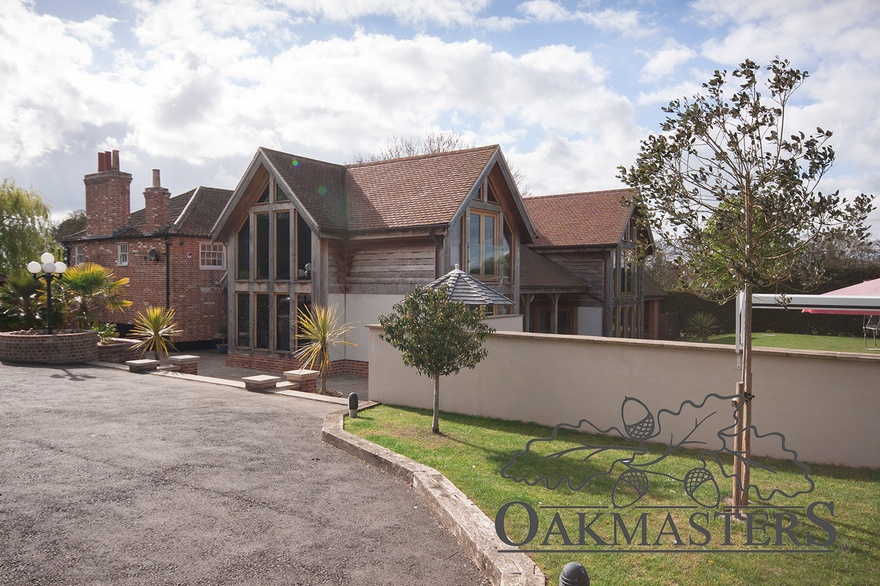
[470, 291]
[865, 289]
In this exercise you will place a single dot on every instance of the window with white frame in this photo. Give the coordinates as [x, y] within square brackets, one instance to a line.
[78, 255]
[212, 256]
[122, 255]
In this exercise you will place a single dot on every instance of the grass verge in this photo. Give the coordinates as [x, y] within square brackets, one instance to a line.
[801, 342]
[471, 452]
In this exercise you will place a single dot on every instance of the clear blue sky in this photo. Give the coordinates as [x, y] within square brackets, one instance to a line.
[567, 88]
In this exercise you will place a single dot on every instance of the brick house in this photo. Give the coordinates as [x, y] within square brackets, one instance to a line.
[583, 274]
[164, 249]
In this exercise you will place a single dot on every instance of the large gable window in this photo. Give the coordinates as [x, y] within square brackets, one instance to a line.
[273, 268]
[274, 243]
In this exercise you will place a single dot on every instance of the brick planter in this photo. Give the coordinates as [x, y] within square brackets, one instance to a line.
[118, 351]
[63, 347]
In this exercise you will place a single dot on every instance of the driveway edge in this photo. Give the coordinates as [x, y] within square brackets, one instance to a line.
[472, 529]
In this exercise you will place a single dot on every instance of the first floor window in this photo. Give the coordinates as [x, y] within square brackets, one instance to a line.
[122, 255]
[212, 256]
[78, 255]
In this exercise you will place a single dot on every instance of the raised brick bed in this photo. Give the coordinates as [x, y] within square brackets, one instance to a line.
[62, 347]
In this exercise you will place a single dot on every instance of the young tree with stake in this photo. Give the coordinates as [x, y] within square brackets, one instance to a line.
[436, 336]
[736, 189]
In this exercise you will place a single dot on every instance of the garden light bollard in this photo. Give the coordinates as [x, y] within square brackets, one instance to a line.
[574, 574]
[51, 270]
[353, 405]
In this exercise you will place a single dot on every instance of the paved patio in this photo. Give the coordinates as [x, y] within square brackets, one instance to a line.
[109, 477]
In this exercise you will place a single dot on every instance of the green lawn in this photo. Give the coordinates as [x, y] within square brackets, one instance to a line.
[801, 342]
[471, 452]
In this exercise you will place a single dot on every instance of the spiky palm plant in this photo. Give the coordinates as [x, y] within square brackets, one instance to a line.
[89, 288]
[155, 327]
[702, 325]
[319, 326]
[20, 303]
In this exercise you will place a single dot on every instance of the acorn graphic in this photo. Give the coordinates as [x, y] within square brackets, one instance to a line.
[700, 485]
[638, 421]
[629, 488]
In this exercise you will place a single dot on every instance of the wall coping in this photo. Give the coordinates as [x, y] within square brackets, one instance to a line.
[568, 338]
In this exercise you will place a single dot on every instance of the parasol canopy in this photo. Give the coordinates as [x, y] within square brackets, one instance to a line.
[470, 291]
[870, 289]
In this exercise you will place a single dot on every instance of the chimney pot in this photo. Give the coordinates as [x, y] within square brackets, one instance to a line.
[156, 180]
[100, 162]
[116, 160]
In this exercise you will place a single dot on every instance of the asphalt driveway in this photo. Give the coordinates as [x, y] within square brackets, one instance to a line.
[108, 477]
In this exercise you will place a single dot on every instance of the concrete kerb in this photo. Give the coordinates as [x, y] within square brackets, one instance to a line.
[472, 529]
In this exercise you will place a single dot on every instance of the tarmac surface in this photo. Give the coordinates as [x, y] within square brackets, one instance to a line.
[110, 477]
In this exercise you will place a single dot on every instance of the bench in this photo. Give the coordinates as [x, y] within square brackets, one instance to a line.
[142, 365]
[261, 382]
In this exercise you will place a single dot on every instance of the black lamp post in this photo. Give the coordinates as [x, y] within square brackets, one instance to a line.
[51, 270]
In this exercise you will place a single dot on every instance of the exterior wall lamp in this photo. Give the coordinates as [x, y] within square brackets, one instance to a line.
[51, 270]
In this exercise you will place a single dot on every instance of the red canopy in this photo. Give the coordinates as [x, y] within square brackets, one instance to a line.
[865, 289]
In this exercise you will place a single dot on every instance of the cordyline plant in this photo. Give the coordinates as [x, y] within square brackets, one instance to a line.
[155, 327]
[319, 327]
[735, 189]
[436, 336]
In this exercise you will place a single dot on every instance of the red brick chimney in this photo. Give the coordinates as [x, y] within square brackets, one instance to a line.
[156, 205]
[108, 194]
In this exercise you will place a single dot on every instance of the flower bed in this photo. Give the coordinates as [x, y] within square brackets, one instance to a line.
[36, 347]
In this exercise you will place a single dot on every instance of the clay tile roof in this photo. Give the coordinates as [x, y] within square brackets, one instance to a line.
[176, 205]
[413, 191]
[191, 214]
[317, 185]
[539, 273]
[579, 219]
[200, 215]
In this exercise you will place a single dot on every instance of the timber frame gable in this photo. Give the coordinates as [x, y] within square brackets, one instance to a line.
[300, 231]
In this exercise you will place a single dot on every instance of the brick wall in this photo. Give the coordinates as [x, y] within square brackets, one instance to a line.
[274, 363]
[195, 294]
[64, 347]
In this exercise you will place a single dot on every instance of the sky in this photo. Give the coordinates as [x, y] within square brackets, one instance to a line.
[567, 88]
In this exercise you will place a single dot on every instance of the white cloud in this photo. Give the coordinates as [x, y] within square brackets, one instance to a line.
[545, 11]
[443, 12]
[665, 61]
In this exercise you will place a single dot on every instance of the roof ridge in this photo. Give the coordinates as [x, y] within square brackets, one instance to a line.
[578, 193]
[300, 157]
[423, 156]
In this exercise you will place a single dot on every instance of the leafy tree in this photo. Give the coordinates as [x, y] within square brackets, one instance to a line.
[88, 289]
[737, 191]
[71, 224]
[436, 336]
[155, 327]
[25, 229]
[320, 326]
